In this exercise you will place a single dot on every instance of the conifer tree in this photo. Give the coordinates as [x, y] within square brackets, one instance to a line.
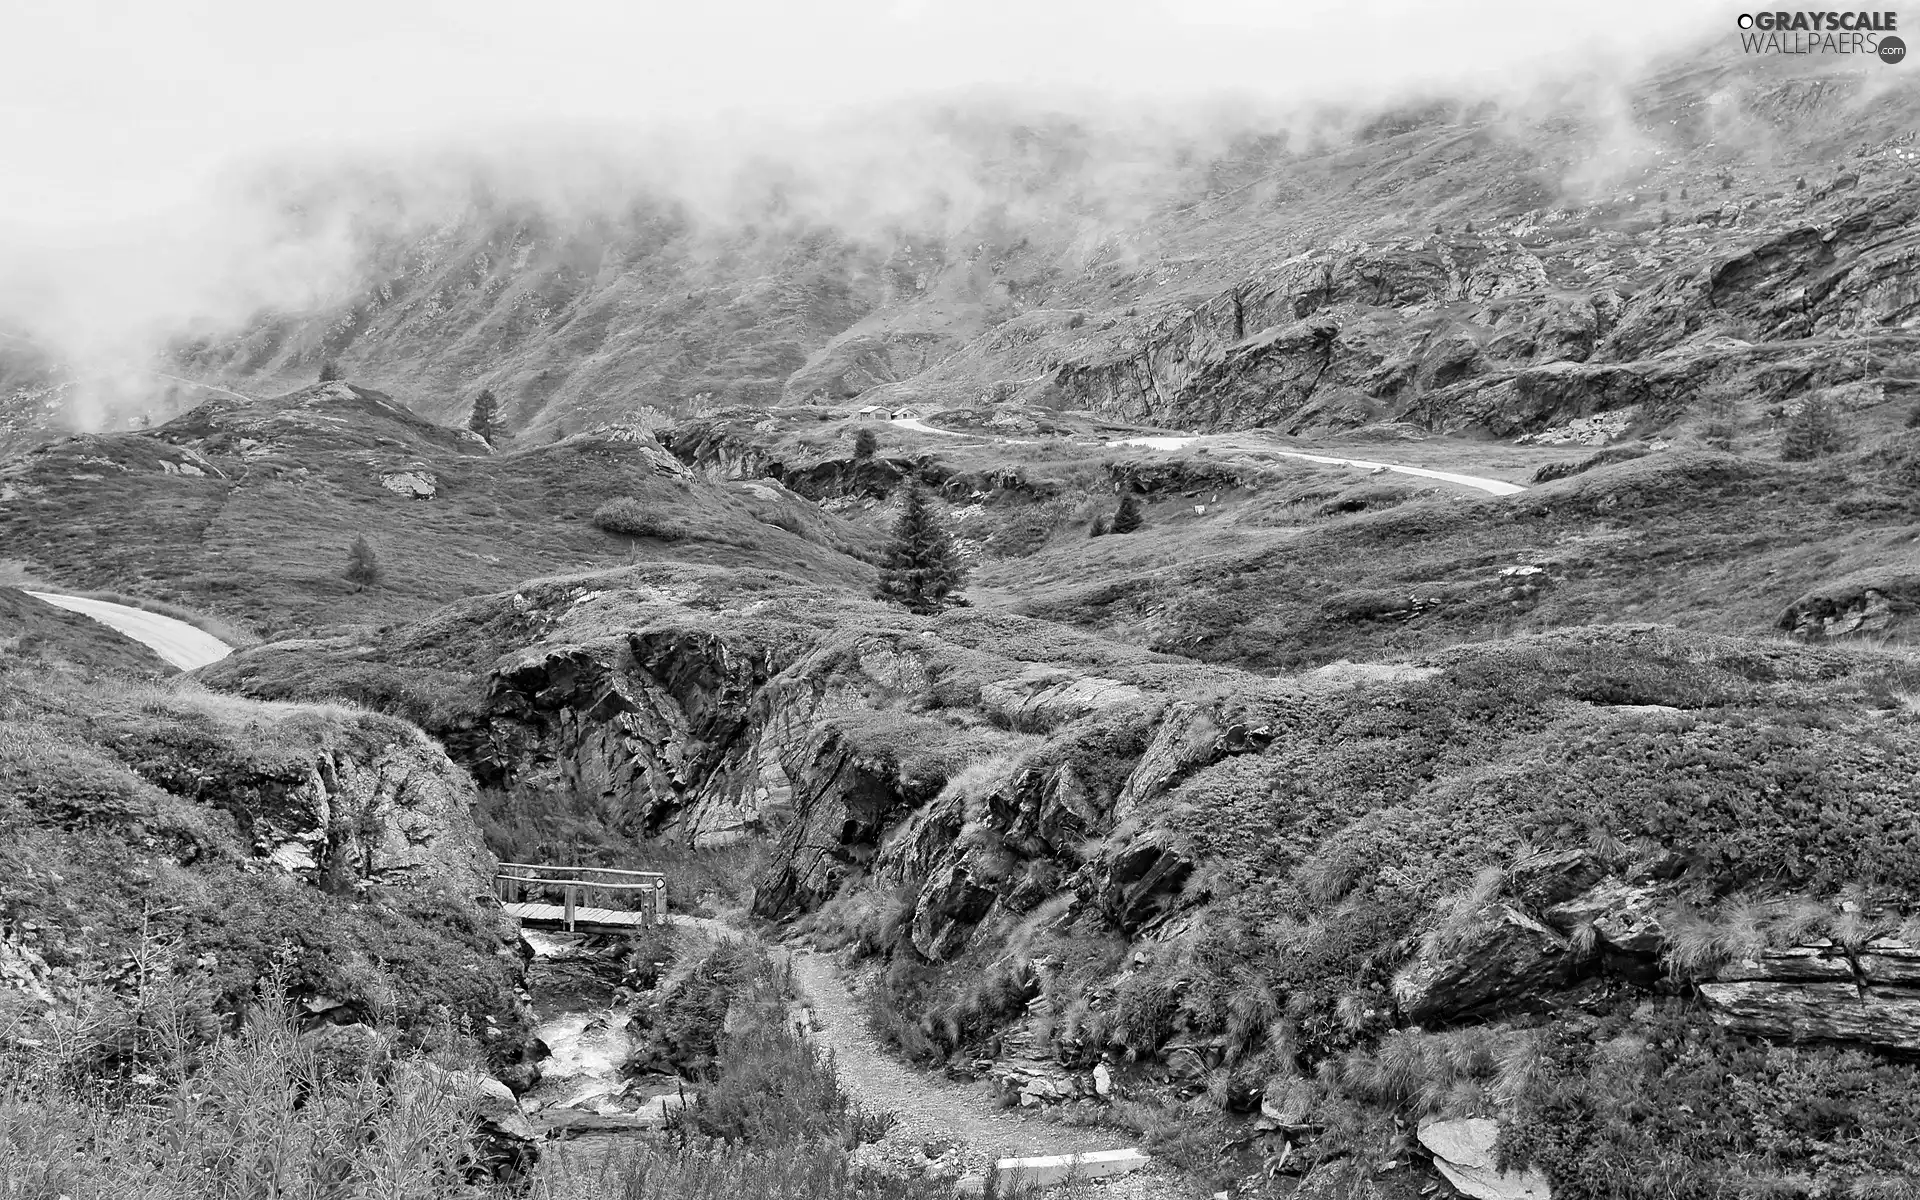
[1128, 517]
[329, 370]
[864, 444]
[921, 570]
[363, 570]
[1811, 432]
[1722, 410]
[485, 420]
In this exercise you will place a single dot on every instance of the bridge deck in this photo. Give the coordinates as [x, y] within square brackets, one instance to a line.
[554, 914]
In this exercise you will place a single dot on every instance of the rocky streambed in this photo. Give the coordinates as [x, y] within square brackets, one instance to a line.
[592, 1081]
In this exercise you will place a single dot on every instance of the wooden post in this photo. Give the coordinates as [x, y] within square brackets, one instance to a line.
[569, 908]
[659, 902]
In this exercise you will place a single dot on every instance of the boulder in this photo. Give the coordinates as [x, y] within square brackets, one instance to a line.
[1463, 1152]
[1625, 915]
[505, 1141]
[1509, 961]
[1548, 877]
[415, 485]
[1286, 1104]
[1886, 1018]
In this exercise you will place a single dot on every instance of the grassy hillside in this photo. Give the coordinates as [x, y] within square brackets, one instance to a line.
[1697, 538]
[248, 509]
[207, 843]
[62, 640]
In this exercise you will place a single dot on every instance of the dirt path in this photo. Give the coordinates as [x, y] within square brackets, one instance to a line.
[930, 1108]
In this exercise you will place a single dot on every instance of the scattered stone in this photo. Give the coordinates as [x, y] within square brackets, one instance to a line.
[1463, 1151]
[417, 485]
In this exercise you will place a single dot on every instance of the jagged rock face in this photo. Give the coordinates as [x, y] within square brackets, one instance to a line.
[951, 903]
[843, 802]
[401, 814]
[1472, 334]
[1141, 882]
[651, 723]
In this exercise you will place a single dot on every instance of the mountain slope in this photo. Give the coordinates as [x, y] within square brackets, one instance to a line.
[1445, 263]
[248, 508]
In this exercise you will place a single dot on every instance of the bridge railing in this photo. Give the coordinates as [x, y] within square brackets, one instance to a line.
[644, 892]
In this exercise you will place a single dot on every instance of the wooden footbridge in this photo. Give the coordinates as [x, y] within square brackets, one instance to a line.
[628, 899]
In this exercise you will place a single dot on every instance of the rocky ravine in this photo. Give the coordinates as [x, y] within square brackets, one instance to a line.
[988, 764]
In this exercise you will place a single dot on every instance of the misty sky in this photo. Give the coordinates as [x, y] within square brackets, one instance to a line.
[115, 108]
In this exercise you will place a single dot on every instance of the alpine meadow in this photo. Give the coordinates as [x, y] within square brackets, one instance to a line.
[891, 601]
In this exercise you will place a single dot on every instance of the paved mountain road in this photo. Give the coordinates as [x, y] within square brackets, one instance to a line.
[176, 641]
[1495, 487]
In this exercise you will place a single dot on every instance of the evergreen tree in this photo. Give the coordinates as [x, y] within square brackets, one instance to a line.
[1128, 517]
[922, 569]
[864, 444]
[1811, 432]
[1099, 528]
[1722, 405]
[329, 370]
[485, 420]
[363, 570]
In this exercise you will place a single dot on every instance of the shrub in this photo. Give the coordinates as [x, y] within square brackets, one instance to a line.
[1127, 517]
[1812, 431]
[628, 517]
[363, 569]
[712, 1170]
[264, 1111]
[864, 445]
[1604, 458]
[1658, 1102]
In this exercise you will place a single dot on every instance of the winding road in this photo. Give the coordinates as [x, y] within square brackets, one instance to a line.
[1495, 487]
[175, 641]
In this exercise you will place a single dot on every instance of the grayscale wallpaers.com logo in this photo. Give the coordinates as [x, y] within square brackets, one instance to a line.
[1823, 33]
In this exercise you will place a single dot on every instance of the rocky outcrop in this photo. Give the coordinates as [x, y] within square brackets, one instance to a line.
[1463, 1152]
[1427, 331]
[1042, 698]
[401, 813]
[650, 724]
[1140, 883]
[1508, 961]
[1868, 601]
[1867, 996]
[418, 484]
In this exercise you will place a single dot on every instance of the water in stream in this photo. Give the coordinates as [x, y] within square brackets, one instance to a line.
[583, 1016]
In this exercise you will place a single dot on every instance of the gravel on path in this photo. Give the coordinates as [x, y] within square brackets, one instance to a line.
[930, 1109]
